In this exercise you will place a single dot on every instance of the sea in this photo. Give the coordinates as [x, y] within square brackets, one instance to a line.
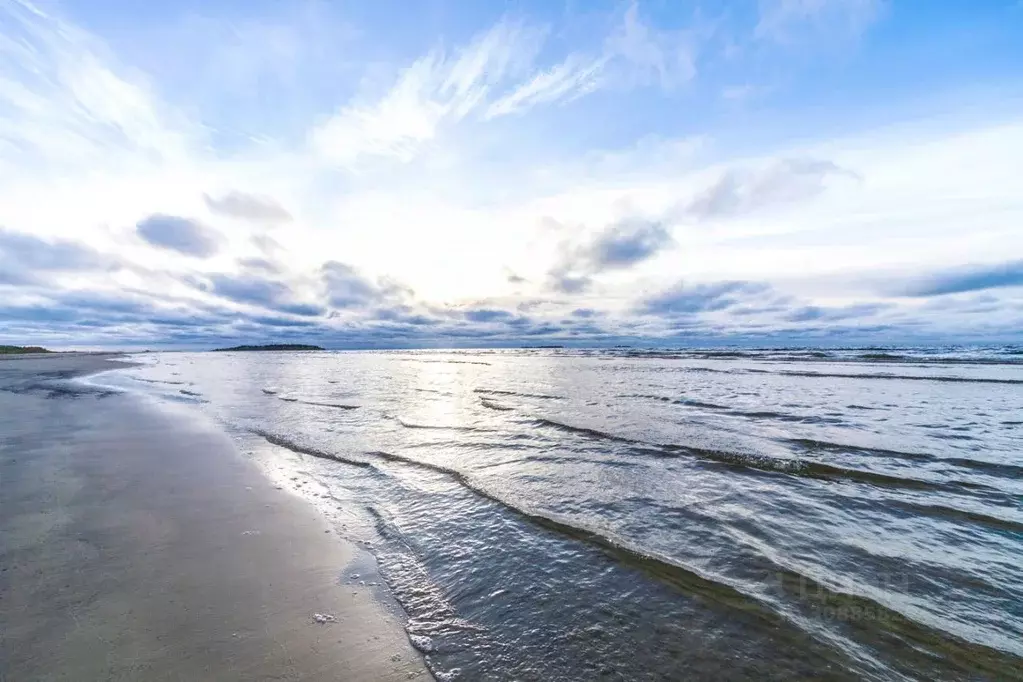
[630, 514]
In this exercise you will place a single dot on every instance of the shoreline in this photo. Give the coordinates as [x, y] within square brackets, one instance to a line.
[137, 542]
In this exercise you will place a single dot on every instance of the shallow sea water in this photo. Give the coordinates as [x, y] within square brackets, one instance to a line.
[658, 515]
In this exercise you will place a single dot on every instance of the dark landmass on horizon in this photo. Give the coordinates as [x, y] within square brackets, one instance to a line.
[14, 350]
[269, 347]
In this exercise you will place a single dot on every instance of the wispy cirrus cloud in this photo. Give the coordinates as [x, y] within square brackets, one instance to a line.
[788, 21]
[436, 90]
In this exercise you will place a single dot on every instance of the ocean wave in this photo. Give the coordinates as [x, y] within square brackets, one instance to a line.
[448, 362]
[955, 514]
[992, 468]
[789, 466]
[288, 444]
[441, 427]
[541, 396]
[160, 381]
[339, 406]
[807, 596]
[895, 377]
[490, 404]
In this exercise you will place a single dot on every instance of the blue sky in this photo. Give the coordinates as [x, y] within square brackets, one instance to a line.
[362, 174]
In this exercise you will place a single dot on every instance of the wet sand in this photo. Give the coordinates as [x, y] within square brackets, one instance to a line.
[136, 543]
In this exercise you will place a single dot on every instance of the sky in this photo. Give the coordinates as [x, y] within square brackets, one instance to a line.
[453, 173]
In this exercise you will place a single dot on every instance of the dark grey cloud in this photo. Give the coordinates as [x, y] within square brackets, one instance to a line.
[585, 313]
[255, 290]
[813, 313]
[741, 191]
[405, 315]
[251, 207]
[619, 246]
[183, 235]
[347, 288]
[25, 259]
[272, 321]
[684, 299]
[516, 279]
[487, 315]
[626, 243]
[962, 280]
[248, 289]
[301, 309]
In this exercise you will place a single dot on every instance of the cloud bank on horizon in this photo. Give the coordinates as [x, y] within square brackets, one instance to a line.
[453, 174]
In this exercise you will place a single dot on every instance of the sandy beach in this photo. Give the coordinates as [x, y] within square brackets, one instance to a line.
[137, 543]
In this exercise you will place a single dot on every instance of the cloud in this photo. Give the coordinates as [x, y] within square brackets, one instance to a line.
[789, 21]
[495, 76]
[250, 207]
[248, 289]
[434, 90]
[65, 106]
[264, 265]
[964, 279]
[573, 78]
[683, 299]
[487, 315]
[741, 191]
[183, 235]
[347, 288]
[619, 246]
[644, 54]
[24, 258]
[813, 313]
[626, 243]
[265, 293]
[567, 283]
[470, 144]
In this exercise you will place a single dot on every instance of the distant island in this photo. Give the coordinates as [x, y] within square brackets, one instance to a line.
[13, 350]
[269, 347]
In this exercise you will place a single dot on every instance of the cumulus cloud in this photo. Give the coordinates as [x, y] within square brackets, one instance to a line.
[619, 246]
[685, 299]
[347, 288]
[255, 290]
[250, 207]
[183, 235]
[25, 259]
[487, 315]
